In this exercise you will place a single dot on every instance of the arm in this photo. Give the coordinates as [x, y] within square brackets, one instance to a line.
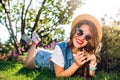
[60, 72]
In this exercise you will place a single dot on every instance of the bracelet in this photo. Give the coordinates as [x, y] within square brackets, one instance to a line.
[94, 68]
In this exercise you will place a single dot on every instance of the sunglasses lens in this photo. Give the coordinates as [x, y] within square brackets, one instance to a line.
[87, 37]
[79, 32]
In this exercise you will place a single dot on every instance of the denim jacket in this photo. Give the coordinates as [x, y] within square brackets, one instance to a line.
[67, 53]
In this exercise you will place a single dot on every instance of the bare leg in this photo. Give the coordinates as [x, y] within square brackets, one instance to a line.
[29, 62]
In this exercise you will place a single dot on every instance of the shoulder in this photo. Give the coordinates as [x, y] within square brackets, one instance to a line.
[62, 43]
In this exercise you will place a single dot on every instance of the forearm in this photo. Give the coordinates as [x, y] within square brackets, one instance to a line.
[92, 73]
[92, 68]
[68, 72]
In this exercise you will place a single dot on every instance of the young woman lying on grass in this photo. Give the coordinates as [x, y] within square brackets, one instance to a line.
[69, 56]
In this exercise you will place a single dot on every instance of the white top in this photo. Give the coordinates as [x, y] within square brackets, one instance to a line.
[57, 56]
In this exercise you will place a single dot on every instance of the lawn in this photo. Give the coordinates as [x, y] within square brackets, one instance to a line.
[16, 71]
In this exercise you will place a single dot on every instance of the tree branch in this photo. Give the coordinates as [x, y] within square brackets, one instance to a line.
[22, 19]
[38, 15]
[27, 9]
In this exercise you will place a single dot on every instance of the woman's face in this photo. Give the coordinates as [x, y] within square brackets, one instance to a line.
[82, 36]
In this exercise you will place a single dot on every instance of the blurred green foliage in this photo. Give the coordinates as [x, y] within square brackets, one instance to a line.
[110, 52]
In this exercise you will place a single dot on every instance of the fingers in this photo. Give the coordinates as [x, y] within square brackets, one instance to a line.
[81, 58]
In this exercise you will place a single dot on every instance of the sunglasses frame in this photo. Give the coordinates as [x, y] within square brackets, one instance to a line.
[80, 32]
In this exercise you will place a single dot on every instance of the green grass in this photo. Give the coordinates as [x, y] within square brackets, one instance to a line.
[16, 71]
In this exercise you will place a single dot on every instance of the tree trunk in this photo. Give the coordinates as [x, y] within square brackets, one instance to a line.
[15, 43]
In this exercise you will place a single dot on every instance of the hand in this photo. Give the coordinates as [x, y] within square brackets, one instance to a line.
[91, 58]
[80, 58]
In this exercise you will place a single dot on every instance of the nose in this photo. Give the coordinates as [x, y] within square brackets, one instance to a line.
[82, 37]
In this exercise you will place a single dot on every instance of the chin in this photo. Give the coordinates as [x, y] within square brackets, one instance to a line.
[77, 46]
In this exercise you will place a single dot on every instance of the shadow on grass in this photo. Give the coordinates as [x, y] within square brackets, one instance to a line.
[45, 74]
[36, 74]
[39, 74]
[5, 65]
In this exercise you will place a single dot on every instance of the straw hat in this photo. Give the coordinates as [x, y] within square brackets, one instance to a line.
[90, 18]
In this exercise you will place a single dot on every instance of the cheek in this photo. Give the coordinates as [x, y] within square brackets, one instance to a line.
[84, 44]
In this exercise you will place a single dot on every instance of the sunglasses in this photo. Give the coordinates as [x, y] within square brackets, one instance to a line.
[80, 32]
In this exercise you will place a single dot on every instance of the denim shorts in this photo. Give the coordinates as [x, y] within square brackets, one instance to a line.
[41, 58]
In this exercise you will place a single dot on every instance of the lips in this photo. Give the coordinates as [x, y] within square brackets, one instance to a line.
[79, 41]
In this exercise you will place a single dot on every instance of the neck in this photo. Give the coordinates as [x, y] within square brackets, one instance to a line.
[74, 50]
